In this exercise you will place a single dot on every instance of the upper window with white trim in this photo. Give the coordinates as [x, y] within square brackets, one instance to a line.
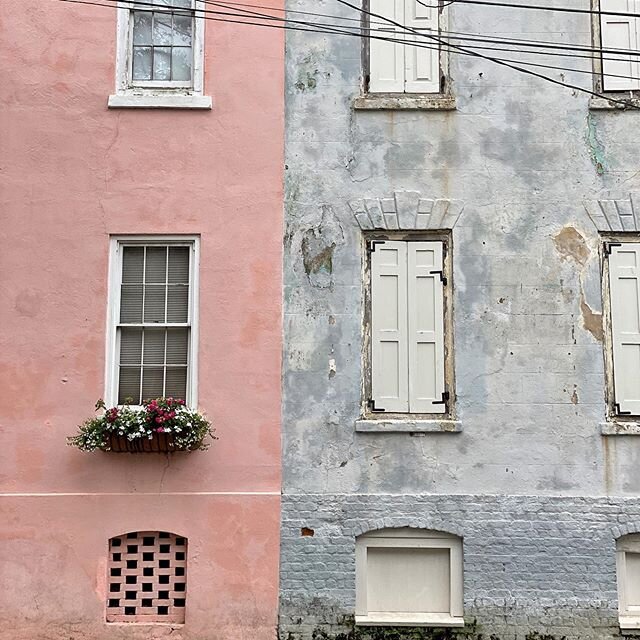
[408, 302]
[152, 321]
[620, 71]
[160, 54]
[628, 569]
[403, 53]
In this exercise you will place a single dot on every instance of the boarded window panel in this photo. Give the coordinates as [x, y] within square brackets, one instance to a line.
[132, 265]
[129, 385]
[130, 346]
[152, 383]
[178, 265]
[405, 580]
[632, 562]
[154, 346]
[155, 303]
[176, 384]
[177, 303]
[426, 327]
[386, 59]
[177, 346]
[422, 64]
[625, 322]
[131, 297]
[620, 32]
[389, 350]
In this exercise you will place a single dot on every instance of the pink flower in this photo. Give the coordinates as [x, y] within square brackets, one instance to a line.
[160, 429]
[158, 419]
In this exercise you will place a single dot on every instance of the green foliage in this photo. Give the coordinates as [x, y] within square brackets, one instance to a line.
[188, 429]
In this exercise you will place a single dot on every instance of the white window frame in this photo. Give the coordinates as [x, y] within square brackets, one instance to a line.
[628, 616]
[445, 410]
[113, 309]
[157, 94]
[443, 57]
[408, 538]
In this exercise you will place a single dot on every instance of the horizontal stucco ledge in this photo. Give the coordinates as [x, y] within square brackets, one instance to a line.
[408, 426]
[620, 428]
[169, 101]
[603, 103]
[427, 103]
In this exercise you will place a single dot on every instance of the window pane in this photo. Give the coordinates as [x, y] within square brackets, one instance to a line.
[162, 63]
[131, 303]
[152, 380]
[130, 345]
[181, 63]
[132, 264]
[179, 265]
[178, 303]
[129, 387]
[142, 63]
[162, 30]
[154, 346]
[141, 28]
[177, 346]
[154, 302]
[156, 267]
[182, 27]
[176, 383]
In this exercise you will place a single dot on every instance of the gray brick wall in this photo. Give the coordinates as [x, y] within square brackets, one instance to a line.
[531, 564]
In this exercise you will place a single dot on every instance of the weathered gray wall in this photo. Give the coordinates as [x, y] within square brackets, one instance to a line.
[523, 155]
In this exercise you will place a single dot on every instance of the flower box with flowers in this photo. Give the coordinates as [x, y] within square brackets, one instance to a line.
[162, 425]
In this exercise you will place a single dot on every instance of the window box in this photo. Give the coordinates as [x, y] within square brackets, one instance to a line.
[160, 426]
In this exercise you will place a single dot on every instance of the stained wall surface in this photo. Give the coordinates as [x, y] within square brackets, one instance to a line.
[522, 156]
[73, 173]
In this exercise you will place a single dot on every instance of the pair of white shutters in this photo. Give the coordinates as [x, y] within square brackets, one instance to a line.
[407, 327]
[402, 67]
[620, 32]
[624, 289]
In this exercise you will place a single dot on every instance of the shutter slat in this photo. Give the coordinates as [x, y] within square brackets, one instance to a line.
[422, 64]
[178, 265]
[620, 32]
[129, 385]
[178, 303]
[624, 275]
[386, 59]
[426, 327]
[177, 346]
[389, 327]
[130, 345]
[154, 343]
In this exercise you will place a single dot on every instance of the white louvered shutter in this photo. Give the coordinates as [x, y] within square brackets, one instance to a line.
[422, 64]
[389, 352]
[620, 32]
[426, 327]
[624, 272]
[386, 59]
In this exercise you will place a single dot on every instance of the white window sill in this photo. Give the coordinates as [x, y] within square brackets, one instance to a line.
[409, 620]
[434, 102]
[603, 104]
[365, 425]
[629, 622]
[158, 101]
[620, 428]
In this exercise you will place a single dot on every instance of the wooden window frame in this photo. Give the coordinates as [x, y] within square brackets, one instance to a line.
[113, 309]
[630, 543]
[408, 538]
[449, 370]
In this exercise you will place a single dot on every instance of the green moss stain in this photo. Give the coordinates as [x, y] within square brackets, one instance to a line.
[596, 149]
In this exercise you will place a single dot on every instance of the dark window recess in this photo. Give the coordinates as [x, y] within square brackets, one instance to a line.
[179, 602]
[131, 579]
[114, 587]
[129, 611]
[180, 555]
[130, 595]
[163, 595]
[163, 611]
[117, 557]
[148, 541]
[132, 564]
[165, 548]
[179, 571]
[147, 557]
[147, 571]
[163, 579]
[147, 586]
[116, 572]
[147, 602]
[132, 548]
[164, 564]
[114, 602]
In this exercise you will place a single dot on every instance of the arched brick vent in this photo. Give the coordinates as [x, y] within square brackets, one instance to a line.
[147, 577]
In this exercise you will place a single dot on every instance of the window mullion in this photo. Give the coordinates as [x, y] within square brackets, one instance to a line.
[140, 399]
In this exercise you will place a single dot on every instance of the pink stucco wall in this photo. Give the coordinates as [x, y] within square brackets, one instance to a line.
[73, 172]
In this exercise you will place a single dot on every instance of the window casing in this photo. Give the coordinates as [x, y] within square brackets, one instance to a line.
[409, 345]
[628, 570]
[409, 577]
[616, 72]
[160, 52]
[399, 67]
[152, 315]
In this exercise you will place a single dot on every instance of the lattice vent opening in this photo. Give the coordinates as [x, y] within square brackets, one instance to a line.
[147, 577]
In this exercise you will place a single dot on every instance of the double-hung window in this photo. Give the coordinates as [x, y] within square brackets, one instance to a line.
[160, 55]
[152, 315]
[628, 569]
[620, 38]
[407, 326]
[404, 53]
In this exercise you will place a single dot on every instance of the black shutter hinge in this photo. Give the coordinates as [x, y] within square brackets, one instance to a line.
[444, 400]
[443, 278]
[372, 407]
[619, 412]
[608, 246]
[373, 244]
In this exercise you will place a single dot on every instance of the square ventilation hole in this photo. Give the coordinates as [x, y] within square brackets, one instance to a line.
[147, 570]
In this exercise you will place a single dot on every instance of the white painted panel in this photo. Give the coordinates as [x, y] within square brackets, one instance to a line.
[402, 580]
[389, 349]
[422, 63]
[632, 579]
[619, 32]
[625, 322]
[386, 59]
[426, 327]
